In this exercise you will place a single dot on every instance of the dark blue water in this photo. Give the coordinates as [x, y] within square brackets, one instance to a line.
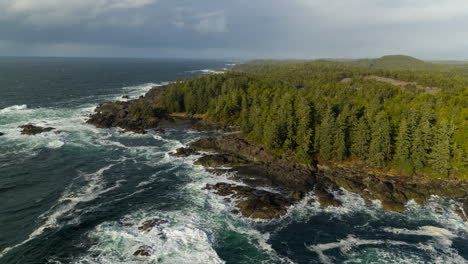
[79, 196]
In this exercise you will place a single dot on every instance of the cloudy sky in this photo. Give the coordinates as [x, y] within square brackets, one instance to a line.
[429, 29]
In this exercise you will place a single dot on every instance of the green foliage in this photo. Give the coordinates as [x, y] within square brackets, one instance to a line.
[145, 111]
[441, 150]
[325, 135]
[305, 134]
[334, 111]
[380, 146]
[403, 146]
[340, 146]
[360, 138]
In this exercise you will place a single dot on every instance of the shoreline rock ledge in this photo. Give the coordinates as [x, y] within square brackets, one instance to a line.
[288, 182]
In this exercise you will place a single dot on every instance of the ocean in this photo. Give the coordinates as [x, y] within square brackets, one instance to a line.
[79, 196]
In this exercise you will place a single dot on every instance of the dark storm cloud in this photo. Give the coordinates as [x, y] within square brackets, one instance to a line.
[221, 28]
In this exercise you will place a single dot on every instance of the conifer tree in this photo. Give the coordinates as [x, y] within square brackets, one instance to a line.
[403, 146]
[288, 115]
[244, 118]
[441, 150]
[380, 145]
[339, 142]
[305, 134]
[360, 139]
[421, 143]
[325, 135]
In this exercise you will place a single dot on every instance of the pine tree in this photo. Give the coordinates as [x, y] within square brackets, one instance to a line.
[421, 144]
[403, 146]
[288, 115]
[360, 139]
[380, 145]
[339, 142]
[305, 134]
[244, 118]
[441, 150]
[325, 135]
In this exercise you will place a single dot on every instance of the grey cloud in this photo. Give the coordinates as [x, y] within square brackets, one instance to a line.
[241, 28]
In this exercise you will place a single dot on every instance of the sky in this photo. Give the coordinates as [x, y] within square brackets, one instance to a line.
[242, 29]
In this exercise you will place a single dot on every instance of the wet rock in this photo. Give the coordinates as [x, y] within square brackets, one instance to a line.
[144, 251]
[391, 206]
[325, 198]
[460, 212]
[393, 191]
[149, 224]
[220, 160]
[125, 97]
[254, 203]
[295, 195]
[1, 134]
[263, 165]
[311, 201]
[33, 130]
[160, 131]
[184, 152]
[265, 169]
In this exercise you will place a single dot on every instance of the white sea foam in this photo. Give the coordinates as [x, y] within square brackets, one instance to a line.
[438, 247]
[13, 108]
[135, 91]
[67, 203]
[182, 239]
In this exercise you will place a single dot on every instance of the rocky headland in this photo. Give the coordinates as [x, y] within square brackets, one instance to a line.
[253, 166]
[268, 184]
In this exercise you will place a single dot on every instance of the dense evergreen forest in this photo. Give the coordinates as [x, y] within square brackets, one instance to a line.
[331, 111]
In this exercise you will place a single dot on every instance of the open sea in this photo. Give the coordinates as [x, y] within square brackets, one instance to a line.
[79, 196]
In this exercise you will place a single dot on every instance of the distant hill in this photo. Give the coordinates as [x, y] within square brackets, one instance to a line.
[388, 62]
[397, 62]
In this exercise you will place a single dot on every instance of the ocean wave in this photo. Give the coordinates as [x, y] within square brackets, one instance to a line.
[13, 108]
[133, 92]
[68, 201]
[180, 240]
[438, 247]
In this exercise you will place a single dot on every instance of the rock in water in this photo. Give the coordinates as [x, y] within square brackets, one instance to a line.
[184, 152]
[1, 134]
[144, 251]
[148, 225]
[160, 131]
[220, 160]
[33, 130]
[254, 203]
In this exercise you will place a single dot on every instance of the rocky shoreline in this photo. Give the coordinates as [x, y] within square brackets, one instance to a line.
[252, 166]
[268, 184]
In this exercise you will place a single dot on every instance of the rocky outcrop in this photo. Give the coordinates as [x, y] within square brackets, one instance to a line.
[184, 152]
[253, 202]
[280, 171]
[33, 130]
[149, 224]
[134, 115]
[143, 251]
[221, 160]
[255, 167]
[394, 191]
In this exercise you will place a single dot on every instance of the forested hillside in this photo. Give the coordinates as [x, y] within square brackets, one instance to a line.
[332, 111]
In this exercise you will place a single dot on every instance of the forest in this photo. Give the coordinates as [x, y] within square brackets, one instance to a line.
[330, 111]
